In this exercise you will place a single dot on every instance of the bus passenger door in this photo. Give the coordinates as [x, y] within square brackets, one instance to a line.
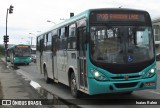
[39, 51]
[41, 55]
[82, 58]
[54, 58]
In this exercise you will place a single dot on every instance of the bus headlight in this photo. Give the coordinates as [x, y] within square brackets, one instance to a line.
[151, 72]
[98, 75]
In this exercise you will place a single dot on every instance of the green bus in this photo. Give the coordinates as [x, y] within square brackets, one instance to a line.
[20, 54]
[100, 51]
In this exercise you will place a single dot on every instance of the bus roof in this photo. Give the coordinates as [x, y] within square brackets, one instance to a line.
[86, 14]
[18, 45]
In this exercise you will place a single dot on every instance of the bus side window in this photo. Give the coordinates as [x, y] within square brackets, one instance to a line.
[45, 42]
[63, 37]
[54, 41]
[42, 43]
[62, 34]
[49, 39]
[38, 43]
[72, 37]
[81, 34]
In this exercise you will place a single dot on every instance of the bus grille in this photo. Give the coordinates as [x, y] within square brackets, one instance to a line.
[126, 85]
[122, 77]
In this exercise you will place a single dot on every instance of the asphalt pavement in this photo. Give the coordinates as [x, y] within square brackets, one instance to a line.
[13, 86]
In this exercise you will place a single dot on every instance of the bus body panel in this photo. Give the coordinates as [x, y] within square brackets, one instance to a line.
[62, 66]
[72, 63]
[96, 87]
[55, 67]
[47, 61]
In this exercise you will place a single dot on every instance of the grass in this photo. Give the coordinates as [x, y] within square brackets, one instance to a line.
[1, 95]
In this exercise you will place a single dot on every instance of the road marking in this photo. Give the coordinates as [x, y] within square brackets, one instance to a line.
[154, 92]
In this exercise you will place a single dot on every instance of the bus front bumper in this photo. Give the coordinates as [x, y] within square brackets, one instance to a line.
[28, 60]
[99, 87]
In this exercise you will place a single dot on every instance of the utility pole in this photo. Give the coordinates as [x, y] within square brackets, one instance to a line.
[6, 37]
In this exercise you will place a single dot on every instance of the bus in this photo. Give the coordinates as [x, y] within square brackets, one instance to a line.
[100, 51]
[20, 54]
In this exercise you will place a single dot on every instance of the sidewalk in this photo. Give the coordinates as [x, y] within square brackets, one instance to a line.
[13, 86]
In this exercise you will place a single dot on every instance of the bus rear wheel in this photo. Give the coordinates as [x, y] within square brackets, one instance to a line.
[46, 76]
[75, 93]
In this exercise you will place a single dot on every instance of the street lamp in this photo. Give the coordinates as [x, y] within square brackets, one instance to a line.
[51, 21]
[32, 33]
[31, 38]
[10, 9]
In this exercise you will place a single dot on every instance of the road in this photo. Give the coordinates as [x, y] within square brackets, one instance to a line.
[53, 90]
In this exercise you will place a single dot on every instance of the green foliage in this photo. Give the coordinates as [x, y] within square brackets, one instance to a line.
[2, 50]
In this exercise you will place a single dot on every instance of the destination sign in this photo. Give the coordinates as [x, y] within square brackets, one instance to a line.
[114, 17]
[22, 46]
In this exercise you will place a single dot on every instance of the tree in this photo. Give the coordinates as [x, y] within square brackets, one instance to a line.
[2, 50]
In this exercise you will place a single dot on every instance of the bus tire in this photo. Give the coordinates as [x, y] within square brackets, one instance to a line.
[75, 93]
[46, 75]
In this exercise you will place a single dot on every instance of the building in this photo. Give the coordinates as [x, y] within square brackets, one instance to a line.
[156, 32]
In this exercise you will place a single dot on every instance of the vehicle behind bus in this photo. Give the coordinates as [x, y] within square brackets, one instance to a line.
[20, 54]
[33, 55]
[100, 51]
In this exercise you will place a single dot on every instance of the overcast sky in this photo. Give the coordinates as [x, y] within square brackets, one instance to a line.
[30, 16]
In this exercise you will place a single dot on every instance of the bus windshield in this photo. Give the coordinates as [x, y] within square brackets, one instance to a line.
[121, 44]
[22, 52]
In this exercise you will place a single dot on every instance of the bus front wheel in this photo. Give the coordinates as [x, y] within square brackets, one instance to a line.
[73, 86]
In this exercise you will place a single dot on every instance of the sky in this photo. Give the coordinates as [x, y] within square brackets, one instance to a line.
[30, 17]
